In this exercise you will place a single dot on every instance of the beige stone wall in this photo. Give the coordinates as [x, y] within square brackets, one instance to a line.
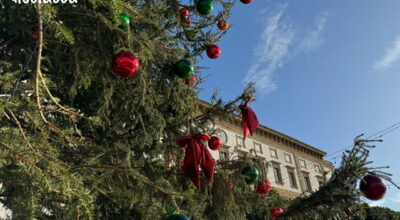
[291, 155]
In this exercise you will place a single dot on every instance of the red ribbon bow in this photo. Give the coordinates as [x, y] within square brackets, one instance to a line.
[249, 120]
[196, 156]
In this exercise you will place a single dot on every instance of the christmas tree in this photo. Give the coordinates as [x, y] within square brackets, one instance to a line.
[95, 96]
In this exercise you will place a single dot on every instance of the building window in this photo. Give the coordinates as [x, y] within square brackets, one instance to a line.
[288, 158]
[307, 182]
[223, 155]
[320, 181]
[317, 168]
[257, 147]
[303, 164]
[274, 154]
[223, 136]
[239, 141]
[277, 173]
[292, 178]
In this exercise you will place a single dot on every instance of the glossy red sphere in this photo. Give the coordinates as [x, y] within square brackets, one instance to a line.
[214, 143]
[223, 25]
[36, 33]
[230, 185]
[125, 64]
[246, 1]
[263, 188]
[213, 51]
[373, 187]
[276, 211]
[188, 21]
[183, 12]
[190, 81]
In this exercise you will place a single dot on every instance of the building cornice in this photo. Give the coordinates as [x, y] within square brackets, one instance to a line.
[276, 136]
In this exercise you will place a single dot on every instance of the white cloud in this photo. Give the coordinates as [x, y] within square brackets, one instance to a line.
[279, 42]
[377, 203]
[391, 56]
[314, 38]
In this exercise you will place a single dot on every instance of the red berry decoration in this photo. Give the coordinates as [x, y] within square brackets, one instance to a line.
[191, 80]
[223, 25]
[214, 143]
[213, 51]
[276, 211]
[263, 188]
[125, 64]
[373, 187]
[246, 1]
[183, 12]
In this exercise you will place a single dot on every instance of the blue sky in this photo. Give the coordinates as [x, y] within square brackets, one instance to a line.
[326, 71]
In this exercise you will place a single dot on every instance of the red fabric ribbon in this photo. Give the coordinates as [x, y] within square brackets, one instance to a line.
[196, 156]
[263, 188]
[249, 120]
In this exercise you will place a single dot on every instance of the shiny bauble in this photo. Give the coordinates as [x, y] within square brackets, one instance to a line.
[214, 143]
[251, 174]
[223, 25]
[263, 189]
[213, 51]
[230, 185]
[183, 12]
[372, 187]
[276, 211]
[183, 68]
[125, 21]
[178, 217]
[125, 65]
[190, 81]
[188, 21]
[246, 1]
[205, 7]
[191, 35]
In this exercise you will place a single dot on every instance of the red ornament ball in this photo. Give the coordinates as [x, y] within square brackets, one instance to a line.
[276, 211]
[191, 80]
[223, 25]
[36, 33]
[263, 188]
[230, 185]
[125, 64]
[213, 51]
[183, 12]
[214, 143]
[246, 1]
[188, 21]
[373, 187]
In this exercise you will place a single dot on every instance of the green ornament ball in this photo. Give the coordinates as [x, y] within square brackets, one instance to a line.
[126, 21]
[183, 68]
[191, 35]
[251, 173]
[178, 217]
[205, 7]
[171, 210]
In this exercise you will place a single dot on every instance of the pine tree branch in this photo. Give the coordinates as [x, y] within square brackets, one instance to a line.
[39, 61]
[134, 174]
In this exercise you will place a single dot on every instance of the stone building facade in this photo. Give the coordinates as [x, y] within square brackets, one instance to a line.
[295, 167]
